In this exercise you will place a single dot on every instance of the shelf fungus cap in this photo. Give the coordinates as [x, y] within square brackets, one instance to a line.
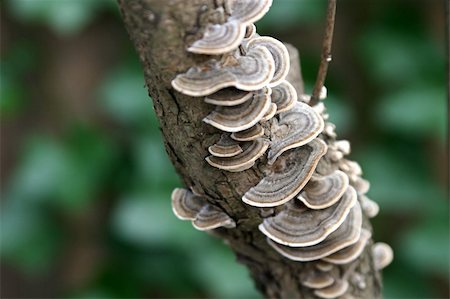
[346, 235]
[316, 279]
[250, 31]
[270, 112]
[361, 185]
[229, 97]
[343, 146]
[185, 204]
[337, 289]
[350, 167]
[279, 53]
[249, 11]
[382, 255]
[211, 217]
[240, 117]
[351, 253]
[298, 226]
[289, 175]
[369, 207]
[324, 191]
[219, 38]
[242, 161]
[225, 147]
[323, 266]
[296, 127]
[284, 96]
[250, 134]
[250, 72]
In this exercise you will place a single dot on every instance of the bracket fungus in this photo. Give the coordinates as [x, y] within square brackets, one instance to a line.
[229, 97]
[204, 216]
[270, 112]
[369, 207]
[346, 235]
[337, 289]
[250, 31]
[288, 176]
[324, 191]
[311, 197]
[219, 38]
[350, 253]
[248, 11]
[242, 161]
[316, 279]
[225, 147]
[240, 117]
[279, 53]
[211, 217]
[298, 226]
[382, 255]
[323, 266]
[185, 204]
[248, 135]
[222, 38]
[250, 72]
[284, 96]
[295, 128]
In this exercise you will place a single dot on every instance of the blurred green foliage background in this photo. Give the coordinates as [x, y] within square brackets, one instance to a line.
[85, 198]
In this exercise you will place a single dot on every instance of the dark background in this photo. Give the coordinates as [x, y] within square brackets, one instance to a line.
[85, 181]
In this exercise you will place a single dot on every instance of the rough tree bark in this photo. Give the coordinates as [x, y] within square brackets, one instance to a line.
[160, 30]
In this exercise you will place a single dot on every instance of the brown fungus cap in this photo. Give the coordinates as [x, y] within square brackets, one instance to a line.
[316, 279]
[248, 11]
[382, 255]
[219, 38]
[225, 147]
[242, 161]
[298, 226]
[250, 72]
[279, 53]
[270, 112]
[229, 97]
[351, 253]
[324, 191]
[243, 116]
[289, 175]
[346, 235]
[337, 289]
[369, 207]
[211, 217]
[295, 128]
[250, 134]
[323, 266]
[284, 96]
[185, 204]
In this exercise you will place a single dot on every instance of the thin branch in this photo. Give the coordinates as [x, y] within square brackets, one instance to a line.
[326, 53]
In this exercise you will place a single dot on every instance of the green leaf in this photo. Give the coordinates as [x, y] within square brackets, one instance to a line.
[397, 58]
[222, 276]
[124, 97]
[398, 182]
[30, 239]
[289, 13]
[153, 168]
[65, 17]
[426, 246]
[147, 220]
[416, 112]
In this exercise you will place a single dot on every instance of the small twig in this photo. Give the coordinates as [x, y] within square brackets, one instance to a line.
[326, 53]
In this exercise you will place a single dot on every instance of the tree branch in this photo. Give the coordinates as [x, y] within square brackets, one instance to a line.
[326, 53]
[161, 31]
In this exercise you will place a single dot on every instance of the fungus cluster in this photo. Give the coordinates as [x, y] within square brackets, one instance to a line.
[319, 194]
